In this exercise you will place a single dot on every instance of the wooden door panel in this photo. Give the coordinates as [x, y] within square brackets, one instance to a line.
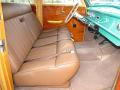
[33, 6]
[57, 13]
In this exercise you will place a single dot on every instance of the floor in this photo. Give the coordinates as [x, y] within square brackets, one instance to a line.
[99, 65]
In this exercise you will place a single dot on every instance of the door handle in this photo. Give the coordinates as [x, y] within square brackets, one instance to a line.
[55, 22]
[2, 46]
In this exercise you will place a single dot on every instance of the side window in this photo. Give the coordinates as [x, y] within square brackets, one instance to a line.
[19, 1]
[6, 1]
[48, 1]
[61, 1]
[105, 1]
[58, 1]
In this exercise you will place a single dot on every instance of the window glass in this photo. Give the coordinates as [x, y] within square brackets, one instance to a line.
[58, 1]
[105, 1]
[6, 1]
[48, 1]
[19, 1]
[61, 1]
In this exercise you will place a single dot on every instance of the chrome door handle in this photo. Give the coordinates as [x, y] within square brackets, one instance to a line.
[2, 46]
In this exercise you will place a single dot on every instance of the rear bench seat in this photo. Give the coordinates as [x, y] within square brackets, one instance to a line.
[38, 57]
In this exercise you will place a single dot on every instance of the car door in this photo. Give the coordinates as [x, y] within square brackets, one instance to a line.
[56, 11]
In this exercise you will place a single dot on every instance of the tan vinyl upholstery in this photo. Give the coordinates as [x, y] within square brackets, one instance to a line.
[38, 57]
[50, 36]
[45, 41]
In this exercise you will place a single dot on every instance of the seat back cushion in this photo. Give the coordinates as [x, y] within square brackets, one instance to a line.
[11, 10]
[33, 24]
[18, 39]
[21, 32]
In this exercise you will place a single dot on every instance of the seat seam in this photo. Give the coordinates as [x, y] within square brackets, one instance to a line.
[56, 66]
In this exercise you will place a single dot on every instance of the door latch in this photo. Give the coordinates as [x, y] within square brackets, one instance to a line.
[2, 46]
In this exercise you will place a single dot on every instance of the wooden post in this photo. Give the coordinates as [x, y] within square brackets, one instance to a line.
[6, 82]
[39, 10]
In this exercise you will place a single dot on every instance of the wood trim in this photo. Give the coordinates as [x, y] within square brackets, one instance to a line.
[33, 8]
[78, 31]
[39, 10]
[5, 71]
[116, 85]
[54, 13]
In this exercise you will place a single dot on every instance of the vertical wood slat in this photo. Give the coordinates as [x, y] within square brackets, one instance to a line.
[5, 71]
[39, 10]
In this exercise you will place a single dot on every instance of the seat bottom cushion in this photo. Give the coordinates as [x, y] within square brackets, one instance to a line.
[63, 30]
[54, 32]
[49, 33]
[45, 41]
[42, 52]
[51, 40]
[54, 71]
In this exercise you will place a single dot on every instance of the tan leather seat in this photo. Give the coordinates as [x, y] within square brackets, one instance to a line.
[51, 40]
[49, 33]
[29, 18]
[50, 64]
[50, 36]
[42, 52]
[45, 41]
[53, 32]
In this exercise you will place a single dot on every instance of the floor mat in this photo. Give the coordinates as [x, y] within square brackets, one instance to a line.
[91, 50]
[88, 51]
[97, 75]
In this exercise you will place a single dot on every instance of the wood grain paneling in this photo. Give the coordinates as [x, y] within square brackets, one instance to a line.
[117, 86]
[33, 6]
[57, 13]
[5, 70]
[39, 10]
[78, 31]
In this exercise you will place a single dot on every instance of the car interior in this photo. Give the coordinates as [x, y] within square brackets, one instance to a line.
[68, 46]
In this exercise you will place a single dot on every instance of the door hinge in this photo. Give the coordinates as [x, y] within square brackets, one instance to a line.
[2, 46]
